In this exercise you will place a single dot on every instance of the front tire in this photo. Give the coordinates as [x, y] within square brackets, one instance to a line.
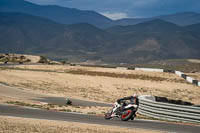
[108, 115]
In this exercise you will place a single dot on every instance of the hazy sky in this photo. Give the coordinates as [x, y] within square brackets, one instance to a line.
[116, 9]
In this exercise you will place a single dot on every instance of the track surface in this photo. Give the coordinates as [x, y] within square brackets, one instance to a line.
[7, 110]
[24, 94]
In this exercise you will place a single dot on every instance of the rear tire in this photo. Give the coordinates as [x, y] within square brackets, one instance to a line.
[127, 114]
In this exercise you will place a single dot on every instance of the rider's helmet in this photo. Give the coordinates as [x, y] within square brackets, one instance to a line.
[135, 95]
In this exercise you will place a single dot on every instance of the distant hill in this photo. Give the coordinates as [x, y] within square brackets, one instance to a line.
[194, 29]
[59, 14]
[66, 15]
[156, 25]
[22, 33]
[158, 39]
[181, 19]
[152, 40]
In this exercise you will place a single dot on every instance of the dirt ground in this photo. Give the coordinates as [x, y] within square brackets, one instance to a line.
[98, 84]
[27, 125]
[194, 60]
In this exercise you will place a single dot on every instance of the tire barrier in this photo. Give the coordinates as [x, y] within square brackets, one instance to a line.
[170, 112]
[180, 74]
[171, 101]
[189, 79]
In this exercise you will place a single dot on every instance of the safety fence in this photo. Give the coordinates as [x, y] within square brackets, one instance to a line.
[171, 112]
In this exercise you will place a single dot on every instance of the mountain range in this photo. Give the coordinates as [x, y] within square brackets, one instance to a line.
[151, 40]
[56, 13]
[77, 35]
[181, 19]
[66, 15]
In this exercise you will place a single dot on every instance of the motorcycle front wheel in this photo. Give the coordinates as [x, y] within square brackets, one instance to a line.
[108, 115]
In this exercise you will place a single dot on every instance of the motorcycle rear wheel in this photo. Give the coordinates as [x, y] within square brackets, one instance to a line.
[127, 114]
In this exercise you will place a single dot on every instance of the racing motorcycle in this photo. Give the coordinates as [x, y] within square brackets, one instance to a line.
[124, 111]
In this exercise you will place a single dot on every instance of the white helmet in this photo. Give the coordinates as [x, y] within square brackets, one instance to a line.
[135, 95]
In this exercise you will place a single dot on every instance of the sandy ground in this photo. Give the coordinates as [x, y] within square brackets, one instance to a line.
[99, 88]
[194, 60]
[27, 125]
[34, 59]
[61, 68]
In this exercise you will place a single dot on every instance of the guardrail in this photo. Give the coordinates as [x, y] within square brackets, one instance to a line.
[171, 112]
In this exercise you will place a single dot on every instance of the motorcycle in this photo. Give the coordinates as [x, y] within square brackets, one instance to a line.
[124, 111]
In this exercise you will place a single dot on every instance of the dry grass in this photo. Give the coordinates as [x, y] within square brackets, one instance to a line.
[25, 125]
[121, 75]
[99, 84]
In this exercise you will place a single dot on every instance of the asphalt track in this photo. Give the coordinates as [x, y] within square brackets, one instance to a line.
[37, 97]
[17, 111]
[8, 110]
[20, 93]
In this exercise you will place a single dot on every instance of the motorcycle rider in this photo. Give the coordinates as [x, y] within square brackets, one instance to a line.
[133, 100]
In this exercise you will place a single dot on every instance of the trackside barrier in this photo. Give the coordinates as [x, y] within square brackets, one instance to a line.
[171, 112]
[179, 73]
[122, 68]
[196, 82]
[149, 69]
[189, 79]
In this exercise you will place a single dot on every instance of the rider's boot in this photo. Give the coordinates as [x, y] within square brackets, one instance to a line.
[132, 118]
[134, 114]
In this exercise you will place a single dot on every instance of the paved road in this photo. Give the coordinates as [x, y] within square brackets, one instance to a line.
[7, 110]
[62, 101]
[29, 95]
[24, 94]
